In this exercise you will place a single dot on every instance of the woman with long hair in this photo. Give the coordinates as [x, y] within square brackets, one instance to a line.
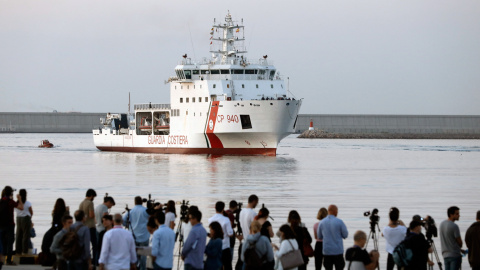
[287, 244]
[24, 224]
[59, 210]
[262, 218]
[322, 213]
[301, 234]
[170, 214]
[214, 248]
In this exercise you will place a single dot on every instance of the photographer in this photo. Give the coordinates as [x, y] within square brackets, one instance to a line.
[136, 221]
[359, 258]
[420, 247]
[7, 223]
[394, 233]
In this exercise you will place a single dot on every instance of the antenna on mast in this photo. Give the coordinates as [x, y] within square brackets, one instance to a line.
[128, 103]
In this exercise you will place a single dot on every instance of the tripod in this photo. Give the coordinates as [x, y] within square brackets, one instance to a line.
[128, 226]
[434, 253]
[179, 235]
[373, 235]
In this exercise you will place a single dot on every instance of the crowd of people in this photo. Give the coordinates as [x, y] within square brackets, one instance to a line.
[93, 238]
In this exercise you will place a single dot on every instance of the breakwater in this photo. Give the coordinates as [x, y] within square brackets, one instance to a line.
[327, 125]
[18, 122]
[390, 126]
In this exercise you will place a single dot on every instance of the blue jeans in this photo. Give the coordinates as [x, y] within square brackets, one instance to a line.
[142, 260]
[453, 263]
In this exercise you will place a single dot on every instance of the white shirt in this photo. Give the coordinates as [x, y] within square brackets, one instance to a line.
[246, 217]
[393, 237]
[169, 217]
[226, 227]
[25, 212]
[286, 246]
[99, 211]
[186, 228]
[118, 249]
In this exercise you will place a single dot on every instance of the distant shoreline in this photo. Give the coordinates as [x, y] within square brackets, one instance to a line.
[320, 134]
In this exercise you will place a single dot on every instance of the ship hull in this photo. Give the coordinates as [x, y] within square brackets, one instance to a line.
[194, 151]
[224, 130]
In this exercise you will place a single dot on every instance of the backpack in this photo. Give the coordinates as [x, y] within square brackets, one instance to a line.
[70, 245]
[402, 254]
[252, 259]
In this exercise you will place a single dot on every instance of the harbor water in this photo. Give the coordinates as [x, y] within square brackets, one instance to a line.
[422, 177]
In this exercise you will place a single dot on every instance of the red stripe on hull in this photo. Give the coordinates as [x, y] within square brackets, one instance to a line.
[207, 151]
[212, 120]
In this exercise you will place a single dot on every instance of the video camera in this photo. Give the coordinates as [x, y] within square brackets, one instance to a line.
[183, 210]
[151, 204]
[430, 228]
[374, 218]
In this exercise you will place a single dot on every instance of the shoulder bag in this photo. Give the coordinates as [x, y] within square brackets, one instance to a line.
[292, 258]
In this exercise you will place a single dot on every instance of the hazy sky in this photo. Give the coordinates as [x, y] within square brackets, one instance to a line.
[342, 56]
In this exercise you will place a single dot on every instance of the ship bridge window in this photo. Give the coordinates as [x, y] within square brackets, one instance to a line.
[214, 85]
[246, 123]
[193, 100]
[225, 71]
[271, 85]
[261, 72]
[206, 99]
[181, 100]
[200, 99]
[243, 85]
[188, 74]
[203, 71]
[272, 74]
[215, 71]
[186, 100]
[195, 72]
[237, 71]
[250, 71]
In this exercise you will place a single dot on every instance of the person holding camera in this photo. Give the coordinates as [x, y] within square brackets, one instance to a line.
[394, 233]
[358, 258]
[419, 245]
[136, 220]
[7, 223]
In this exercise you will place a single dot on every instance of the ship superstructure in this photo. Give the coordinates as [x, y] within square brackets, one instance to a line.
[223, 105]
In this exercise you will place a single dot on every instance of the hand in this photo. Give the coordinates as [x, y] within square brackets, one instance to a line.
[18, 196]
[183, 258]
[274, 246]
[374, 255]
[431, 263]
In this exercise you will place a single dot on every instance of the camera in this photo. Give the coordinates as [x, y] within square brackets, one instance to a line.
[430, 228]
[374, 218]
[183, 210]
[151, 204]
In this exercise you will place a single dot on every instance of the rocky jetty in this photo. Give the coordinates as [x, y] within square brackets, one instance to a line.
[321, 134]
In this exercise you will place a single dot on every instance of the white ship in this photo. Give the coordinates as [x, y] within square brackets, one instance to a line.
[227, 105]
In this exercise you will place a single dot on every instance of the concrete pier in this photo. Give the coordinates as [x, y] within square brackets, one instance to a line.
[327, 123]
[49, 122]
[391, 124]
